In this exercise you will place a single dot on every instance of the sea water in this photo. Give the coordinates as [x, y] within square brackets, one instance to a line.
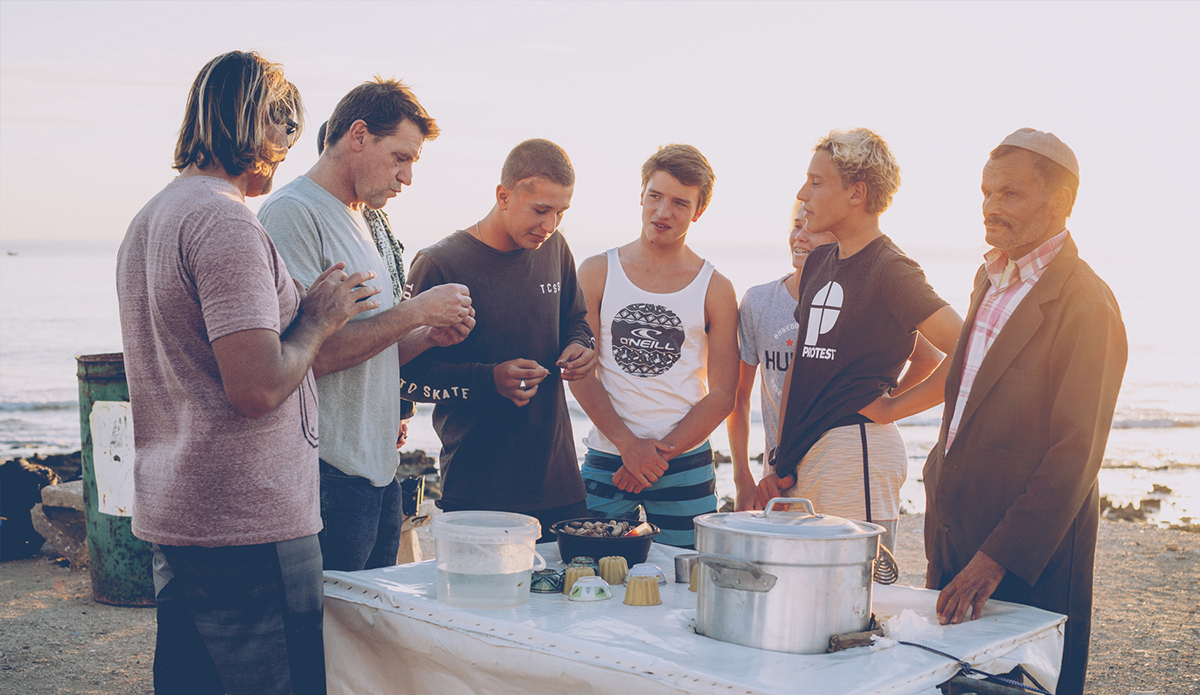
[58, 300]
[483, 590]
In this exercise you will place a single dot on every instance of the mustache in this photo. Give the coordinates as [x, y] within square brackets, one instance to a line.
[995, 221]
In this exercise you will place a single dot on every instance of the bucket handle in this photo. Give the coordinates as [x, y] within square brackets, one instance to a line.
[539, 562]
[789, 500]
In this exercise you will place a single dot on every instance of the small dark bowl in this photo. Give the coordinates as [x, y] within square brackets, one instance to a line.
[634, 549]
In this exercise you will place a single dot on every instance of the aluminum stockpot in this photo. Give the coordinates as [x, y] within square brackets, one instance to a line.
[782, 580]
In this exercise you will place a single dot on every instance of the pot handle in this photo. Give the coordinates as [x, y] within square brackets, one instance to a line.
[886, 570]
[732, 573]
[789, 500]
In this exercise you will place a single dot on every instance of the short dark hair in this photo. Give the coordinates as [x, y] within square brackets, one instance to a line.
[383, 105]
[1049, 173]
[537, 158]
[233, 100]
[686, 164]
[321, 138]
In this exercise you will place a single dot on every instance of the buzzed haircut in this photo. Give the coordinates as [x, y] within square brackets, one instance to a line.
[537, 158]
[234, 100]
[861, 155]
[383, 105]
[1049, 173]
[687, 165]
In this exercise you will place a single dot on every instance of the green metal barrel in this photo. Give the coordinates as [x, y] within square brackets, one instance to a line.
[120, 563]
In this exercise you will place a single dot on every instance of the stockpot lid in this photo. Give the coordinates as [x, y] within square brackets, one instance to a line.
[789, 524]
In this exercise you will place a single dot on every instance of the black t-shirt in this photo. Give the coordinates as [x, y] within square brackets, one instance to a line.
[857, 318]
[528, 304]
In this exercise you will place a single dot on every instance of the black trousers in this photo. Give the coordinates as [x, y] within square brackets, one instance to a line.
[240, 619]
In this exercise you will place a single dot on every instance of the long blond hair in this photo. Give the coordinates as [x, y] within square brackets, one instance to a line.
[233, 101]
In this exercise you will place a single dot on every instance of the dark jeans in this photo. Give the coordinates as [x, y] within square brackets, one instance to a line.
[239, 620]
[362, 522]
[545, 517]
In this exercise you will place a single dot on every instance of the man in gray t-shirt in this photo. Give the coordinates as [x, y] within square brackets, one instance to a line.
[766, 339]
[767, 329]
[373, 137]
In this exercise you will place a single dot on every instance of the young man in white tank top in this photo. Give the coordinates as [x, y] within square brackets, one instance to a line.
[666, 330]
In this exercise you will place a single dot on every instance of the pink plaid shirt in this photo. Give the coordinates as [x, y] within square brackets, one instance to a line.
[1011, 281]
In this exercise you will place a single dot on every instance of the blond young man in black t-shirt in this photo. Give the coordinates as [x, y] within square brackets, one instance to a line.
[862, 301]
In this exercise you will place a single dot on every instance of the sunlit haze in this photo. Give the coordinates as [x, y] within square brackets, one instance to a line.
[93, 95]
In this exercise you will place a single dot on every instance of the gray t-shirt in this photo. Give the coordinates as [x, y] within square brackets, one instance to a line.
[766, 339]
[360, 406]
[196, 266]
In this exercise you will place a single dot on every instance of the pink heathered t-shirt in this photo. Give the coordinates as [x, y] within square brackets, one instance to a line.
[195, 266]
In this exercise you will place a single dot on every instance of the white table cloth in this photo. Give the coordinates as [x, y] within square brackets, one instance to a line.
[385, 632]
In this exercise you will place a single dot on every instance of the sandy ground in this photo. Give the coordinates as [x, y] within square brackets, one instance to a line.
[1146, 635]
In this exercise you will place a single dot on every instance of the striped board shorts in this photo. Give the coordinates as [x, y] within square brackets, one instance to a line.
[687, 490]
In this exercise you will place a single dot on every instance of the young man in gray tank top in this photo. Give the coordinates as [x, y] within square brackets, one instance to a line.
[662, 319]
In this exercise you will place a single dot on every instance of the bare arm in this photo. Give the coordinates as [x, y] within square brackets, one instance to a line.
[260, 369]
[924, 359]
[720, 311]
[787, 388]
[424, 337]
[771, 485]
[442, 306]
[738, 427]
[941, 329]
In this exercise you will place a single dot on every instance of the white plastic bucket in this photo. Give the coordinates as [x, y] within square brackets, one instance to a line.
[485, 559]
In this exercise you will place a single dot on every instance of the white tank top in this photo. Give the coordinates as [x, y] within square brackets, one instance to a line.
[653, 353]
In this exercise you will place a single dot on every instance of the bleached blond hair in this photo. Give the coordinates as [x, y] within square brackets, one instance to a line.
[860, 155]
[234, 99]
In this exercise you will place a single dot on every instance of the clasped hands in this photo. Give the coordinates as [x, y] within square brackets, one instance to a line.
[644, 461]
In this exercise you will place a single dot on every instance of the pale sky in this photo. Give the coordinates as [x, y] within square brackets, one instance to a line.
[92, 95]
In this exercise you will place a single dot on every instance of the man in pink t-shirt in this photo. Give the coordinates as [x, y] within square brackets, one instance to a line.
[219, 342]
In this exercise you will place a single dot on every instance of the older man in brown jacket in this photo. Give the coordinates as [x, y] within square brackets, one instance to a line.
[1013, 499]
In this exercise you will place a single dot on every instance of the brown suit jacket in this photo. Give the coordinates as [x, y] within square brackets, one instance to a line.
[1020, 481]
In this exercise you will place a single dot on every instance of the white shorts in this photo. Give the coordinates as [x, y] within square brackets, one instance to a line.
[831, 473]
